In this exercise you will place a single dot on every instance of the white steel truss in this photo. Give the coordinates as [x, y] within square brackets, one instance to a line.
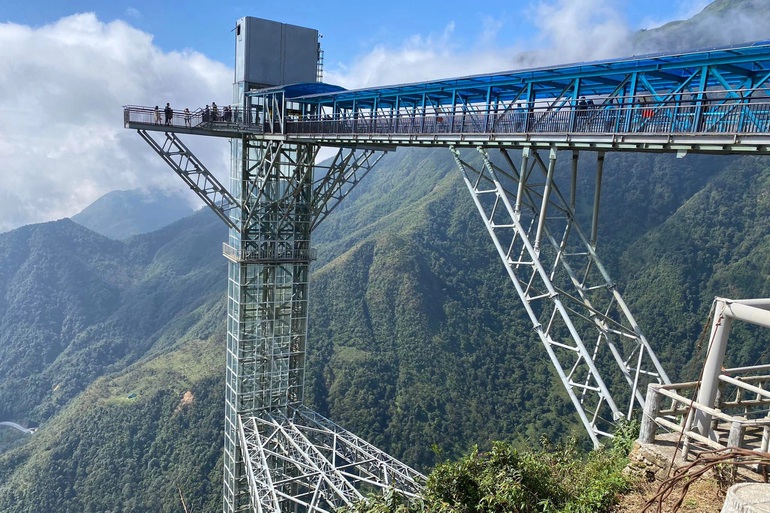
[301, 461]
[195, 174]
[592, 340]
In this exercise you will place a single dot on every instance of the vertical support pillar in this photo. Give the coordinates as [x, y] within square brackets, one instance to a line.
[651, 410]
[546, 198]
[720, 330]
[573, 182]
[267, 296]
[597, 198]
[523, 174]
[735, 438]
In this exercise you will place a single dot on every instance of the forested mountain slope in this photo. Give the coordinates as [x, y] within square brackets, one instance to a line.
[121, 214]
[417, 340]
[75, 305]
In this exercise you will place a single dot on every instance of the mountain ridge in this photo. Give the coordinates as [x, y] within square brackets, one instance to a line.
[417, 341]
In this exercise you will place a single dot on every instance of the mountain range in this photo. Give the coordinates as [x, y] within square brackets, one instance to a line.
[114, 343]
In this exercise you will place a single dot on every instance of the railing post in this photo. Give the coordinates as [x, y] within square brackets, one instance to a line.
[735, 439]
[651, 410]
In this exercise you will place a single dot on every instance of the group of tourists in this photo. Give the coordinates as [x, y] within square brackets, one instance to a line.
[168, 113]
[214, 114]
[207, 114]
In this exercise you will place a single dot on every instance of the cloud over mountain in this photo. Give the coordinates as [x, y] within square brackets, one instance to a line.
[62, 141]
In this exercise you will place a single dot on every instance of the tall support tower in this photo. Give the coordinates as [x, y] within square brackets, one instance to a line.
[278, 455]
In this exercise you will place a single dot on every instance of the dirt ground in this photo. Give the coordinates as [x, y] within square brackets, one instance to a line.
[653, 464]
[705, 495]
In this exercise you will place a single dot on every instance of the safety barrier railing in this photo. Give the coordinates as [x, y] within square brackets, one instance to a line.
[728, 117]
[736, 117]
[739, 418]
[223, 118]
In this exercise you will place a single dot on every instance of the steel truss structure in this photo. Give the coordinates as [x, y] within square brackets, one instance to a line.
[592, 340]
[279, 456]
[306, 461]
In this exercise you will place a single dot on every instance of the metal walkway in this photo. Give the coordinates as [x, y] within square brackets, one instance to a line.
[713, 101]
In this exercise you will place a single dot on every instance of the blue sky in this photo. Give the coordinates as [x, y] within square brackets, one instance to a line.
[70, 65]
[349, 28]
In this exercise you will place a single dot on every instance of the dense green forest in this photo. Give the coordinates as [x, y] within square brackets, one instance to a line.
[417, 341]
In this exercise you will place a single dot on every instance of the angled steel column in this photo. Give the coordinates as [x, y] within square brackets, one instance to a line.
[593, 341]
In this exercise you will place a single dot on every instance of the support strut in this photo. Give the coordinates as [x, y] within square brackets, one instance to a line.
[566, 292]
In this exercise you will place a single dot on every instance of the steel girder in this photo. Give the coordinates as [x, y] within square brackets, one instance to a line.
[194, 173]
[301, 461]
[592, 340]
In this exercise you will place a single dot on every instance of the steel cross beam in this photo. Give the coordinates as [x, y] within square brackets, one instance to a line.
[194, 173]
[316, 464]
[591, 338]
[348, 167]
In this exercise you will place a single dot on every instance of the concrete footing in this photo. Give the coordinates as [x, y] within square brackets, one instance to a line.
[747, 498]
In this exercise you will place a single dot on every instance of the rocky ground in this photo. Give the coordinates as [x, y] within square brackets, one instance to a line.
[702, 491]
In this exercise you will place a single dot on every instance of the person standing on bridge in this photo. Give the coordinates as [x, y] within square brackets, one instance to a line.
[187, 117]
[169, 114]
[157, 115]
[518, 118]
[582, 106]
[582, 111]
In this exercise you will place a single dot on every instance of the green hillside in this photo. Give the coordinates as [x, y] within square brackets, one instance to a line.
[122, 214]
[417, 340]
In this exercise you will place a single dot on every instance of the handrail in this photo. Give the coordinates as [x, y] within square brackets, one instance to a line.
[684, 407]
[232, 118]
[728, 116]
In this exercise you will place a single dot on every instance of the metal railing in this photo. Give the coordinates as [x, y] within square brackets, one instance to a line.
[223, 118]
[740, 418]
[724, 117]
[735, 117]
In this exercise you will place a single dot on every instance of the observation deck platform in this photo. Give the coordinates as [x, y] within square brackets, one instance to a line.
[728, 127]
[705, 101]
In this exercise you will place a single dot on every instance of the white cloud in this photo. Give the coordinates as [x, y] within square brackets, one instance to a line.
[424, 58]
[62, 141]
[568, 31]
[132, 12]
[581, 30]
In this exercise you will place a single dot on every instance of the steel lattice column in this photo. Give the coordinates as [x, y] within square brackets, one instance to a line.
[267, 292]
[592, 340]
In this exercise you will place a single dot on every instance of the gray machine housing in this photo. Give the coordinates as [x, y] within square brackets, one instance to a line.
[269, 53]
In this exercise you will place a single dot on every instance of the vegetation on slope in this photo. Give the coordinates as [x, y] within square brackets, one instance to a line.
[554, 479]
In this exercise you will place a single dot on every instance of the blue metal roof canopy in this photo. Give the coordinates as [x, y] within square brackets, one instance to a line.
[740, 70]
